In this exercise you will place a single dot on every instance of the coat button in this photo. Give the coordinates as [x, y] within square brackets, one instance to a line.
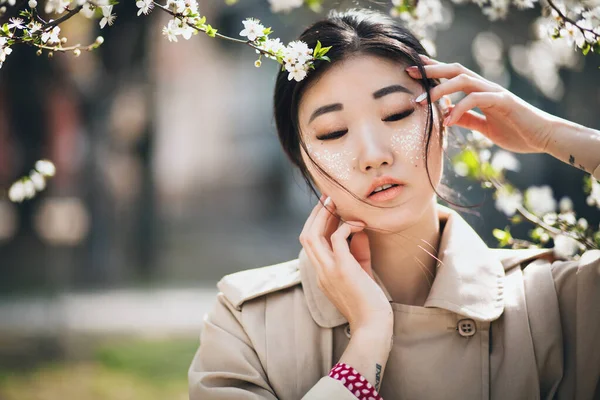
[347, 330]
[466, 327]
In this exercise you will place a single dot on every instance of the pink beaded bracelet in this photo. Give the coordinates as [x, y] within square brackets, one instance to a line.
[355, 382]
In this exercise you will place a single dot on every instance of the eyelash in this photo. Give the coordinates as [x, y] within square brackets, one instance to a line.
[391, 118]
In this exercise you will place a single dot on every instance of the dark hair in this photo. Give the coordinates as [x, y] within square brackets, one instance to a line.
[349, 33]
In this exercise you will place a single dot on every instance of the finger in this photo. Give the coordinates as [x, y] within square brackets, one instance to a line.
[428, 60]
[359, 248]
[316, 236]
[442, 70]
[312, 215]
[471, 120]
[481, 100]
[460, 83]
[341, 250]
[331, 224]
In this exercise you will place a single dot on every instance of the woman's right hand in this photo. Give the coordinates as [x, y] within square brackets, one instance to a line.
[344, 271]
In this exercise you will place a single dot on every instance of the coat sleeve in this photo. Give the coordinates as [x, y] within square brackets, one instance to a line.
[226, 364]
[578, 287]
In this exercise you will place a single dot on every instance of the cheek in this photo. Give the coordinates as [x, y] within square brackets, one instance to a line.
[338, 164]
[408, 143]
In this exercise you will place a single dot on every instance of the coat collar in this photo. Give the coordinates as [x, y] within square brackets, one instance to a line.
[469, 280]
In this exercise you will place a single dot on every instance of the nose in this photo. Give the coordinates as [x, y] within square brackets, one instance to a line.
[374, 151]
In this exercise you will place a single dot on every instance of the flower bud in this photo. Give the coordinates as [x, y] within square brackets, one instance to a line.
[99, 40]
[77, 52]
[32, 4]
[39, 52]
[50, 54]
[63, 40]
[257, 63]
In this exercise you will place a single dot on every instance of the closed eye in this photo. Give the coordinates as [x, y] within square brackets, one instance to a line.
[399, 116]
[333, 135]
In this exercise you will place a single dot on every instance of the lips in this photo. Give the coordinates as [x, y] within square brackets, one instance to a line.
[384, 180]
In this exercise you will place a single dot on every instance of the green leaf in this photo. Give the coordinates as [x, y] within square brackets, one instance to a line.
[504, 237]
[317, 49]
[586, 48]
[325, 58]
[267, 30]
[314, 5]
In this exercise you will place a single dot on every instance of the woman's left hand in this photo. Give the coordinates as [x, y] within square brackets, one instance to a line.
[508, 121]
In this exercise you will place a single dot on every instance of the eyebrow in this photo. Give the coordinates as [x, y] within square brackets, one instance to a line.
[390, 89]
[376, 95]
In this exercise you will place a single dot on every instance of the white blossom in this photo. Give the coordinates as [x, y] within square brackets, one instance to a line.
[298, 52]
[39, 182]
[253, 29]
[484, 154]
[297, 72]
[273, 46]
[87, 10]
[594, 196]
[540, 200]
[16, 193]
[461, 168]
[32, 4]
[565, 204]
[523, 4]
[508, 202]
[565, 246]
[16, 23]
[284, 5]
[170, 31]
[568, 218]
[4, 50]
[45, 167]
[107, 16]
[481, 140]
[582, 223]
[145, 6]
[56, 6]
[502, 160]
[51, 36]
[498, 9]
[177, 6]
[184, 29]
[33, 27]
[550, 218]
[28, 189]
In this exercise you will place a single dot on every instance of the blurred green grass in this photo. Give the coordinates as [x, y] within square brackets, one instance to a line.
[122, 370]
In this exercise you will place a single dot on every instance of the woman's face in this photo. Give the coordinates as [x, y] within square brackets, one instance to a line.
[366, 104]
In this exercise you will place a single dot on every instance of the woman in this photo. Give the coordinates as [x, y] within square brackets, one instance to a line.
[393, 295]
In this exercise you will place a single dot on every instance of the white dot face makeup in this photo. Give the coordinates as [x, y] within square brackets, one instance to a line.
[338, 164]
[408, 142]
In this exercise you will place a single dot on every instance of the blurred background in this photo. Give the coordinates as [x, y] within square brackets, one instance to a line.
[170, 175]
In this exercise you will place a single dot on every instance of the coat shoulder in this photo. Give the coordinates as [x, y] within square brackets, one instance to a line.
[249, 284]
[511, 258]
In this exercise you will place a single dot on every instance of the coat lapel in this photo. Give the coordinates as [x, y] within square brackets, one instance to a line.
[469, 279]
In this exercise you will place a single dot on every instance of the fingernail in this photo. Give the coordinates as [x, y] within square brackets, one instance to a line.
[421, 97]
[327, 201]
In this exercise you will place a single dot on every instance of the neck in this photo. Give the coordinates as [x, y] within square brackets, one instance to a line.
[406, 261]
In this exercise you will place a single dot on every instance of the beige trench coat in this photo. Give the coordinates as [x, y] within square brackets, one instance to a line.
[497, 324]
